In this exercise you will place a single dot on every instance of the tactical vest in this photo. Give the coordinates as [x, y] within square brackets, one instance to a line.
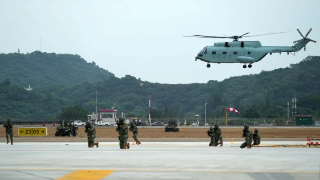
[8, 127]
[90, 131]
[123, 130]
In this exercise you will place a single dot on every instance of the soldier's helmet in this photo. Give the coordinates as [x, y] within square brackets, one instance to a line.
[89, 123]
[131, 123]
[246, 126]
[256, 130]
[121, 119]
[211, 128]
[8, 120]
[216, 125]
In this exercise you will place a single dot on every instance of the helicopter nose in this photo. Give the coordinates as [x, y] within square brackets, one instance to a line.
[198, 55]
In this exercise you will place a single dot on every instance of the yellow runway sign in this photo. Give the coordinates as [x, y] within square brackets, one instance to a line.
[29, 131]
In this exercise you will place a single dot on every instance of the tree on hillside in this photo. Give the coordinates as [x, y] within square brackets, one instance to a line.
[74, 113]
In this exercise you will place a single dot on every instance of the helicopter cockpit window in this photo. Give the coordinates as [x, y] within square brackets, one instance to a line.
[235, 52]
[249, 52]
[203, 51]
[224, 52]
[213, 52]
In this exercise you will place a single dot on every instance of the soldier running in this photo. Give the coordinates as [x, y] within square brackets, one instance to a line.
[217, 135]
[134, 130]
[9, 131]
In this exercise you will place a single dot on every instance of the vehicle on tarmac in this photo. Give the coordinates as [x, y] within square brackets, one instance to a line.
[171, 126]
[138, 122]
[79, 123]
[66, 129]
[101, 123]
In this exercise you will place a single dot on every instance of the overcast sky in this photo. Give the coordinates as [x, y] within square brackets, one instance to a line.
[143, 38]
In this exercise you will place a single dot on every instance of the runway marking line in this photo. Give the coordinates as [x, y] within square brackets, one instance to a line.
[107, 172]
[86, 174]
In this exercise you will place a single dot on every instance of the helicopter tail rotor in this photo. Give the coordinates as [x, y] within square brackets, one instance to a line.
[305, 38]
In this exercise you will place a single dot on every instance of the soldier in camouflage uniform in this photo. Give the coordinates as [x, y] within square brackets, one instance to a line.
[134, 130]
[247, 134]
[217, 135]
[210, 133]
[256, 137]
[123, 134]
[9, 131]
[91, 133]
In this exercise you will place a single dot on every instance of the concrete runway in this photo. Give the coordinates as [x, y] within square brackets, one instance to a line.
[157, 160]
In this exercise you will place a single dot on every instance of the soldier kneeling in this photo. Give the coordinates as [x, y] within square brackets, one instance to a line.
[248, 137]
[91, 133]
[256, 137]
[123, 134]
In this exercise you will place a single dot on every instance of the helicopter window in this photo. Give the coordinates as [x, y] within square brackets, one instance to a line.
[224, 52]
[235, 52]
[249, 52]
[203, 51]
[213, 52]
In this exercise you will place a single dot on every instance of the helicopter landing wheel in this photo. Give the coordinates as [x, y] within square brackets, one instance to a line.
[249, 66]
[244, 66]
[208, 65]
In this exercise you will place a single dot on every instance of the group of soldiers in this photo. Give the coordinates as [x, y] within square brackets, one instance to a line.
[122, 129]
[216, 138]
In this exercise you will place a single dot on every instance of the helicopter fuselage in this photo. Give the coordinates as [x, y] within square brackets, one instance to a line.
[247, 52]
[239, 52]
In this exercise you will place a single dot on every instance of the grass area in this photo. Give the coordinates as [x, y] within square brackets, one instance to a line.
[110, 132]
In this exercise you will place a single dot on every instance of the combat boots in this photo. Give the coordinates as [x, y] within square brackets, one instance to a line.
[248, 146]
[7, 142]
[138, 142]
[97, 144]
[221, 144]
[128, 146]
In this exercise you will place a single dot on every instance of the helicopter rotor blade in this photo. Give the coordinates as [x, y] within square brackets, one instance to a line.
[300, 33]
[202, 36]
[266, 34]
[308, 32]
[244, 34]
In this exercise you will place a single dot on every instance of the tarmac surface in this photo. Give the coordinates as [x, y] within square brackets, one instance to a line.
[158, 160]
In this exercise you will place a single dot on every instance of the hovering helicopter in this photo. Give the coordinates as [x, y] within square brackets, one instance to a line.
[246, 52]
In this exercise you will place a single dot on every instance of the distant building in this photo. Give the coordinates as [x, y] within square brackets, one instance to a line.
[108, 115]
[29, 89]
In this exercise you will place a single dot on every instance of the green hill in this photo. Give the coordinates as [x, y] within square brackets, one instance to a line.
[265, 94]
[261, 95]
[40, 69]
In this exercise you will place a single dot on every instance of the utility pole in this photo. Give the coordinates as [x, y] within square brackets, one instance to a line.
[294, 105]
[205, 114]
[149, 108]
[288, 111]
[96, 102]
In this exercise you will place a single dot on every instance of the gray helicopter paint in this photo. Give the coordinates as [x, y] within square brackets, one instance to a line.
[244, 51]
[246, 54]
